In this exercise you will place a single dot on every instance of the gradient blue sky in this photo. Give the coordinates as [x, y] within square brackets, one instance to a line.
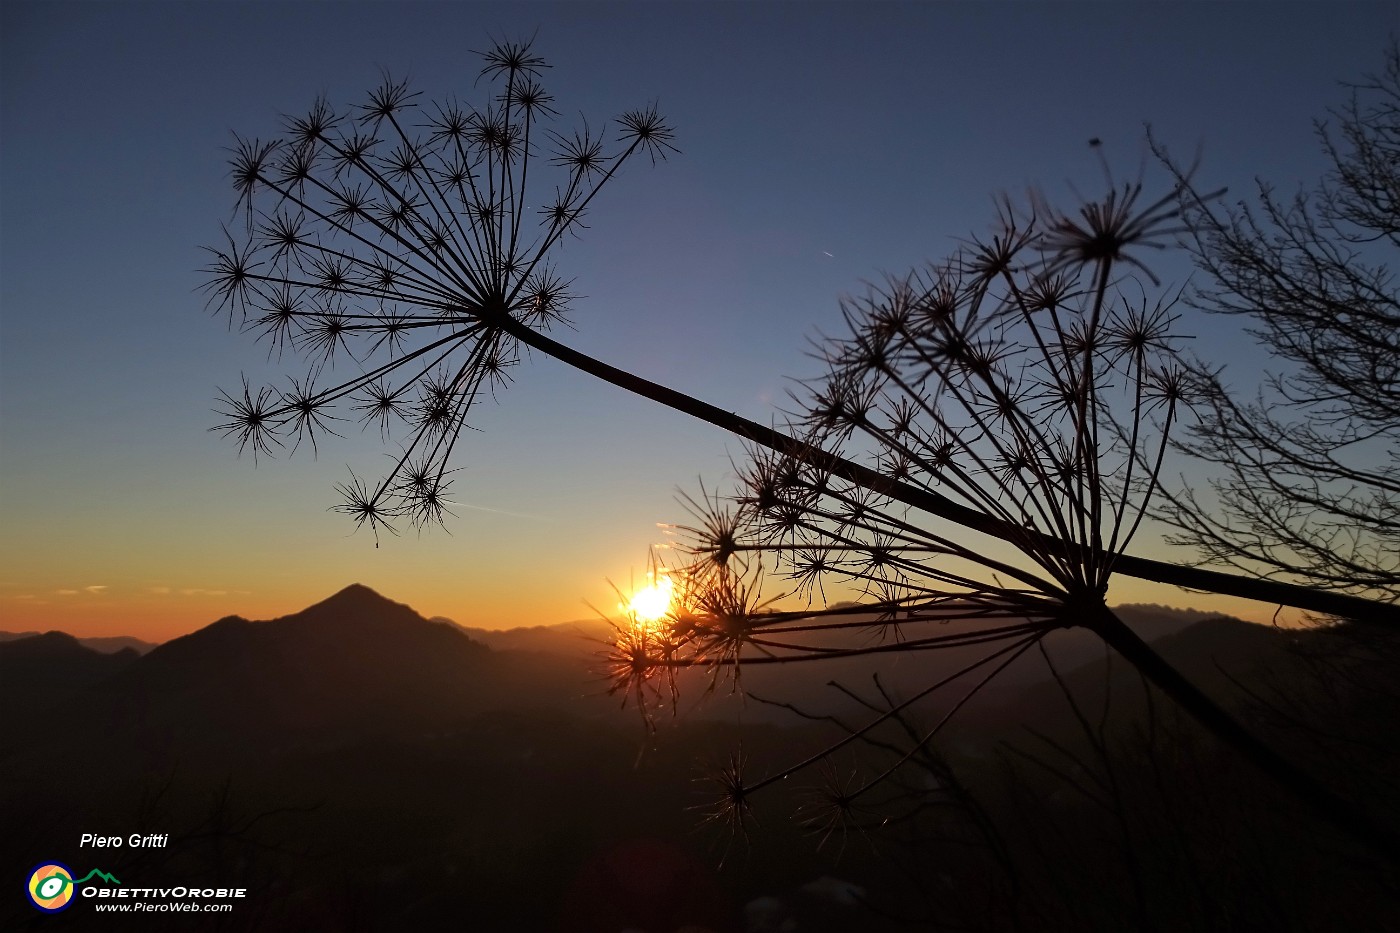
[823, 145]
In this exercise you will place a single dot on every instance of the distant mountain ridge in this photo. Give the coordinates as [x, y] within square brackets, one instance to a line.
[354, 661]
[806, 684]
[584, 636]
[358, 663]
[109, 644]
[55, 664]
[353, 665]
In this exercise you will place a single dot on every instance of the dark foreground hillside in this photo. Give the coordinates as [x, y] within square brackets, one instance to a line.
[358, 767]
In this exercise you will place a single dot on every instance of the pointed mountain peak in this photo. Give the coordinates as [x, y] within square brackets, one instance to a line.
[357, 603]
[357, 591]
[356, 595]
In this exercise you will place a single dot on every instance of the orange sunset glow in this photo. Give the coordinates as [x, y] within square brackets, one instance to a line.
[487, 594]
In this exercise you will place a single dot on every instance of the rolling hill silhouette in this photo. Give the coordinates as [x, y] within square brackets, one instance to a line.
[110, 644]
[806, 685]
[1216, 654]
[358, 664]
[352, 666]
[352, 746]
[356, 746]
[53, 666]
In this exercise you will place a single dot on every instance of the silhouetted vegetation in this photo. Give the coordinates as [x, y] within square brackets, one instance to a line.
[985, 446]
[1305, 484]
[1034, 381]
[409, 237]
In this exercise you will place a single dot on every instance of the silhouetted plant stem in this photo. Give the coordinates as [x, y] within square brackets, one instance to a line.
[1325, 804]
[1017, 378]
[1198, 578]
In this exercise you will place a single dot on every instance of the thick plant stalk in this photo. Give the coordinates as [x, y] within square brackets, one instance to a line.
[1325, 804]
[1198, 578]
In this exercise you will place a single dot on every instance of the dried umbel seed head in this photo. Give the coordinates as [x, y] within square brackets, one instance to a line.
[1026, 380]
[406, 239]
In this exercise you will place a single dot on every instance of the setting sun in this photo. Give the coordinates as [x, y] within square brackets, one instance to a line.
[653, 601]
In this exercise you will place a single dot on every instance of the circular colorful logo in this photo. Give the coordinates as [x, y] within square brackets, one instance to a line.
[51, 887]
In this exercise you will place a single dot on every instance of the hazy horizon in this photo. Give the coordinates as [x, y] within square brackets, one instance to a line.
[616, 615]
